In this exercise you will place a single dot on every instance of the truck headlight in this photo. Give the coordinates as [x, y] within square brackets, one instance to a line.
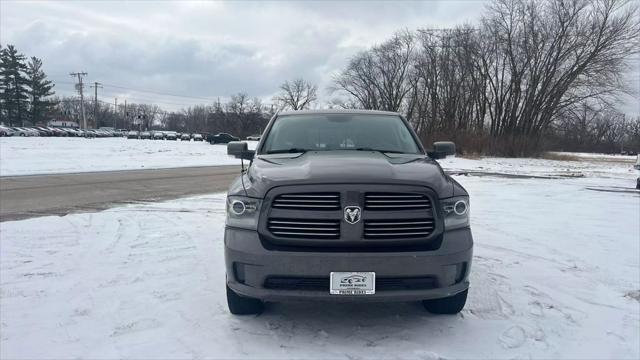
[456, 212]
[243, 212]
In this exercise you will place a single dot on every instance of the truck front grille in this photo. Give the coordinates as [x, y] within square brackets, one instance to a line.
[308, 201]
[304, 228]
[314, 216]
[398, 228]
[378, 201]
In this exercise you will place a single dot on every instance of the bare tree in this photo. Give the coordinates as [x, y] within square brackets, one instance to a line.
[378, 79]
[506, 82]
[297, 94]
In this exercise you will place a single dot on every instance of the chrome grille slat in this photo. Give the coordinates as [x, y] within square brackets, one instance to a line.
[394, 196]
[410, 201]
[304, 206]
[304, 234]
[401, 228]
[307, 201]
[425, 233]
[301, 223]
[308, 196]
[400, 223]
[402, 206]
[398, 228]
[396, 201]
[304, 228]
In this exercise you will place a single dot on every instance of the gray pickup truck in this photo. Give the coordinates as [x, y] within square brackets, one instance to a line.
[345, 205]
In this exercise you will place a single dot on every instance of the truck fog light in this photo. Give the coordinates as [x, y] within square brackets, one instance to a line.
[238, 207]
[460, 207]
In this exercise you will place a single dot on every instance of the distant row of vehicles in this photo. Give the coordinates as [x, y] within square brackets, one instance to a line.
[57, 132]
[219, 138]
[164, 135]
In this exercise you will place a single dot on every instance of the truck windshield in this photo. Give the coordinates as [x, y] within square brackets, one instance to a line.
[324, 132]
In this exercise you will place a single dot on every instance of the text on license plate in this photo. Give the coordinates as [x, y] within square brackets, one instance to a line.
[353, 283]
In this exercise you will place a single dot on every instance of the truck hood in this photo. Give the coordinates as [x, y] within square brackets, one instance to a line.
[344, 167]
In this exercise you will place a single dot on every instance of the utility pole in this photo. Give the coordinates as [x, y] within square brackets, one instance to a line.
[126, 116]
[80, 88]
[115, 112]
[95, 86]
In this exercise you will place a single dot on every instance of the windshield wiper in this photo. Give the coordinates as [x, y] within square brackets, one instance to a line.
[286, 151]
[380, 151]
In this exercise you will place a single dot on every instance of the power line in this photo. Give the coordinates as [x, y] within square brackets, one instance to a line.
[158, 92]
[150, 92]
[147, 100]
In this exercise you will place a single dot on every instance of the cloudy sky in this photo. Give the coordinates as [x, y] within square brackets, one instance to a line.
[144, 50]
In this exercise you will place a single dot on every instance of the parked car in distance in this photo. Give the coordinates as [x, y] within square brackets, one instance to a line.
[145, 135]
[22, 132]
[253, 137]
[90, 133]
[170, 135]
[6, 131]
[221, 138]
[185, 137]
[57, 131]
[197, 137]
[133, 135]
[71, 132]
[158, 135]
[44, 131]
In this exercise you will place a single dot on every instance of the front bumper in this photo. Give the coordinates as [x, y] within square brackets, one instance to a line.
[244, 250]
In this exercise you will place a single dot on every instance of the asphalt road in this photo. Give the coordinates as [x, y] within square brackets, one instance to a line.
[24, 197]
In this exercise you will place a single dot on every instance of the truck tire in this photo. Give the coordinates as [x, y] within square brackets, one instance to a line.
[240, 305]
[449, 305]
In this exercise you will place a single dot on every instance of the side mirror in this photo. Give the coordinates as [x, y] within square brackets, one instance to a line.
[240, 150]
[442, 149]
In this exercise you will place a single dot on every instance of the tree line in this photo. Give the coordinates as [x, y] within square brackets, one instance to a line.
[504, 85]
[24, 89]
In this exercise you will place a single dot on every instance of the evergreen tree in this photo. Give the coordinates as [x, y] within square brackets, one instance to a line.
[15, 95]
[39, 90]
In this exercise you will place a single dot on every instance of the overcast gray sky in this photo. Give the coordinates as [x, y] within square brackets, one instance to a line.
[205, 50]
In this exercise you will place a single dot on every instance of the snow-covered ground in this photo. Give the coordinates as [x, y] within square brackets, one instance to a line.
[47, 155]
[43, 155]
[585, 165]
[556, 274]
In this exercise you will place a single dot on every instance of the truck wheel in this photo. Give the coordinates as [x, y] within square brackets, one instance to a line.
[240, 305]
[449, 305]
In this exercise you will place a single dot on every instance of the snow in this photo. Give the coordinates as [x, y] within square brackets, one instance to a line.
[556, 274]
[588, 165]
[46, 155]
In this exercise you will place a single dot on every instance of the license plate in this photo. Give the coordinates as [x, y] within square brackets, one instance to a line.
[353, 283]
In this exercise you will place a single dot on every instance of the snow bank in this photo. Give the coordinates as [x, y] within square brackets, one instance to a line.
[555, 275]
[46, 155]
[594, 166]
